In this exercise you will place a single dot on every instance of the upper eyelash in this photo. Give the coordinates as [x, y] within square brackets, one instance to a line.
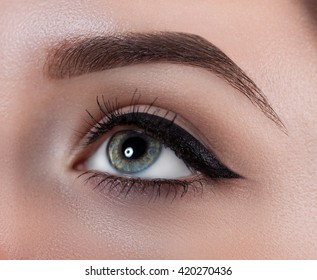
[112, 110]
[162, 129]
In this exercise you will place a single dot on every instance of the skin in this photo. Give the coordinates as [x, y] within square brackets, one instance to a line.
[270, 214]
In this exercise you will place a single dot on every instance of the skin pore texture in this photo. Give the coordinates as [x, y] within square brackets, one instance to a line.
[271, 213]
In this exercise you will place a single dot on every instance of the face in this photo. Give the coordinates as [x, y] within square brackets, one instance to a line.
[158, 130]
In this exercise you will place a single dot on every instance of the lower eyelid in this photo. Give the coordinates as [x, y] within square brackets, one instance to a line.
[117, 187]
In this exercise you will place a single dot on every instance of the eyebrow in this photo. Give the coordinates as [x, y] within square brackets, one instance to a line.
[79, 56]
[311, 8]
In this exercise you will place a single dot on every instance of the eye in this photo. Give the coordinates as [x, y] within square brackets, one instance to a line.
[144, 146]
[133, 153]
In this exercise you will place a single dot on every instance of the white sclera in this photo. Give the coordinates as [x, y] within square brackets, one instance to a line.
[167, 165]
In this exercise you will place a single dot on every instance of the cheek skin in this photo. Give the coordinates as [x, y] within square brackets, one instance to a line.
[49, 214]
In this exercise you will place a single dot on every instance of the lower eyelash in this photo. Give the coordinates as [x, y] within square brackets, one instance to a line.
[153, 188]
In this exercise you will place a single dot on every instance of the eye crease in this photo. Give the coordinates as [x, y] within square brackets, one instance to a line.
[147, 149]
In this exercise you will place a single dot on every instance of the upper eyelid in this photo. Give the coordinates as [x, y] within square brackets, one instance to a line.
[110, 108]
[203, 160]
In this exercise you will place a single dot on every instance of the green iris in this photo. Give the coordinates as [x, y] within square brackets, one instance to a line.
[132, 151]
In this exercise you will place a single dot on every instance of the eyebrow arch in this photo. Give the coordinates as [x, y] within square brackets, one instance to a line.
[83, 55]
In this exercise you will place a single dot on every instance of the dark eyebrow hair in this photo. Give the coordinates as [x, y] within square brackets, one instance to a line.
[311, 7]
[78, 56]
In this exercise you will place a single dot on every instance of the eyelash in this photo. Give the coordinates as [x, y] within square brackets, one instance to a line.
[155, 188]
[156, 127]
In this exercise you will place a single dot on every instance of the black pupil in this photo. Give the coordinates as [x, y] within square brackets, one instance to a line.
[134, 147]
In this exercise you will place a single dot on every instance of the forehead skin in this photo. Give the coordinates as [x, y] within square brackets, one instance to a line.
[46, 215]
